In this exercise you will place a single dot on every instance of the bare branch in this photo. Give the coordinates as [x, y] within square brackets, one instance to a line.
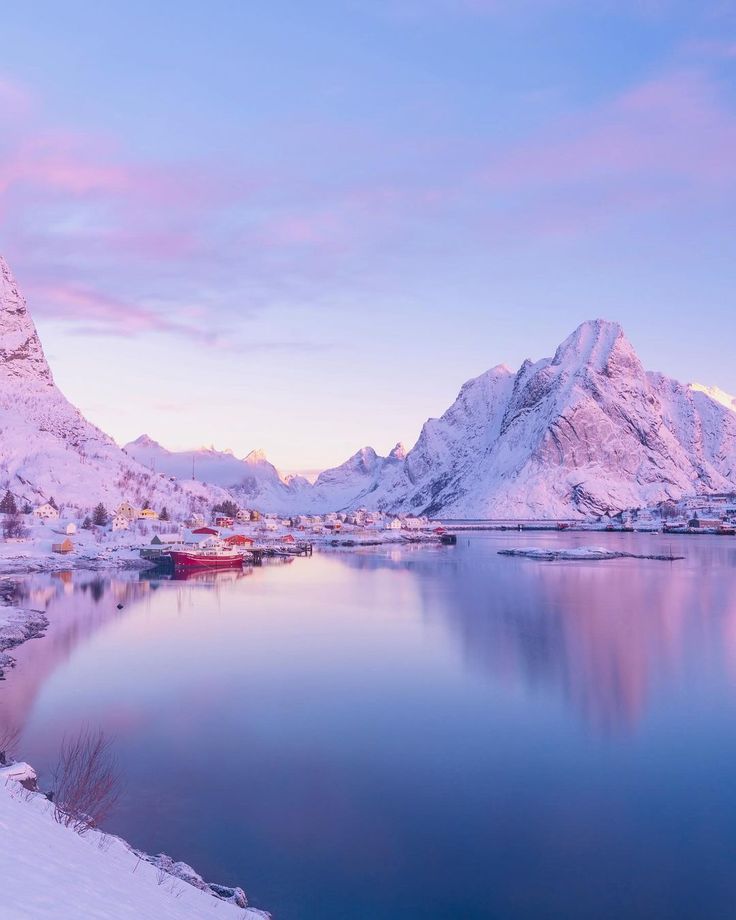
[86, 781]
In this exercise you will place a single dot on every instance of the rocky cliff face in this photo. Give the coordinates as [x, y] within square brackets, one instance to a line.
[587, 431]
[47, 447]
[21, 354]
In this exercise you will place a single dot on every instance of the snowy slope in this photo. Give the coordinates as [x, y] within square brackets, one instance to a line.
[47, 448]
[253, 481]
[49, 871]
[587, 431]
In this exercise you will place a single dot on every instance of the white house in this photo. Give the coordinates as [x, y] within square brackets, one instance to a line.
[269, 524]
[120, 522]
[126, 510]
[46, 512]
[414, 523]
[70, 528]
[394, 524]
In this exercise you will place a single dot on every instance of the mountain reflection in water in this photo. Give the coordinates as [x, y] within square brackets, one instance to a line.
[540, 735]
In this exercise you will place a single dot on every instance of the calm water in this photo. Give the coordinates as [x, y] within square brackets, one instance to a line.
[421, 733]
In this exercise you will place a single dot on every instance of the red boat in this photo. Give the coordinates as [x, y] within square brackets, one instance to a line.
[212, 554]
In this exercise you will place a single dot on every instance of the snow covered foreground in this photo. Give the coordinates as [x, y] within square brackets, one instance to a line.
[49, 871]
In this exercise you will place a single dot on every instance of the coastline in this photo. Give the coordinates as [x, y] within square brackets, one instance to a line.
[173, 878]
[18, 625]
[98, 875]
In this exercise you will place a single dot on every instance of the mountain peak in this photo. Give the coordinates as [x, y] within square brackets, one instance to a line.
[144, 440]
[398, 453]
[599, 345]
[256, 456]
[716, 394]
[21, 354]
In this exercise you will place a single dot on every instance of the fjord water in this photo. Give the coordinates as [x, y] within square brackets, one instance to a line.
[420, 732]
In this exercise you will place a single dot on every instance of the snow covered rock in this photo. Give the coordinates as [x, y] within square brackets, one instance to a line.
[581, 554]
[47, 448]
[17, 626]
[587, 431]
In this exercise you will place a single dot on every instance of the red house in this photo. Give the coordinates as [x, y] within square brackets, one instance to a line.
[289, 538]
[209, 530]
[239, 539]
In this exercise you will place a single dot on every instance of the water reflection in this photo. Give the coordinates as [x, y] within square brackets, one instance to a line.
[602, 636]
[77, 605]
[548, 739]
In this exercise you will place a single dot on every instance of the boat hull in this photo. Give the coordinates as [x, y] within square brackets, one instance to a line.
[184, 560]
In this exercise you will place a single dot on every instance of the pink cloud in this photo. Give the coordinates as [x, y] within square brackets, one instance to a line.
[673, 128]
[102, 314]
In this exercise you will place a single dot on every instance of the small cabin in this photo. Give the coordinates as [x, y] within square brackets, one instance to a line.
[127, 510]
[66, 546]
[239, 539]
[71, 528]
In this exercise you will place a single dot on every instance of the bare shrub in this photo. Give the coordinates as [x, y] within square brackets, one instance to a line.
[14, 528]
[8, 740]
[86, 781]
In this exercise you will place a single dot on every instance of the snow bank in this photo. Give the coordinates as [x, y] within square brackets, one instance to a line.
[580, 553]
[16, 626]
[49, 871]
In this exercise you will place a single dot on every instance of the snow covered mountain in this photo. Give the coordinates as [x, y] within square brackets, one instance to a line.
[253, 481]
[587, 431]
[48, 449]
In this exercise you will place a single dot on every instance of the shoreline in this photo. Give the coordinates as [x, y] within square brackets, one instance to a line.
[101, 873]
[19, 625]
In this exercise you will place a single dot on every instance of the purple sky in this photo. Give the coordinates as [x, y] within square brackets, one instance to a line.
[303, 226]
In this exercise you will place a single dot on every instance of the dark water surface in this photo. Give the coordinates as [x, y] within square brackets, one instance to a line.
[418, 733]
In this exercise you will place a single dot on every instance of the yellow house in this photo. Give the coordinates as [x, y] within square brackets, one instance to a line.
[148, 514]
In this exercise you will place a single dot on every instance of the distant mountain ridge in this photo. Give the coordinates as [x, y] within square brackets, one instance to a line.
[586, 432]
